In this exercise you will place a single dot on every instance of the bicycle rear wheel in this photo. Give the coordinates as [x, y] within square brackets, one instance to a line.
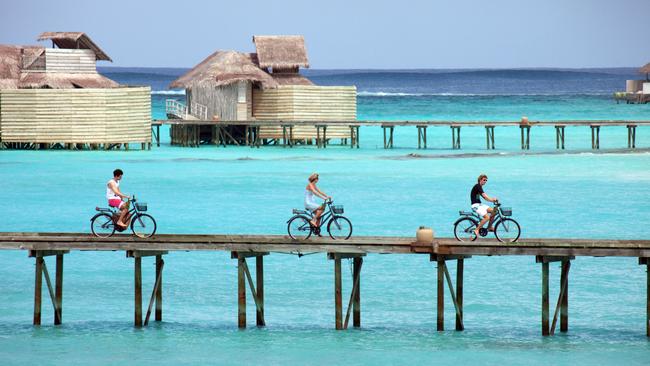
[102, 225]
[507, 231]
[339, 227]
[143, 226]
[299, 228]
[464, 229]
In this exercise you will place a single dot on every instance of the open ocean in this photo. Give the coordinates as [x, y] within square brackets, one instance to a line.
[212, 189]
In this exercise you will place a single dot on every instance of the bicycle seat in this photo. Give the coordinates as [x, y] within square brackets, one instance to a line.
[104, 209]
[465, 213]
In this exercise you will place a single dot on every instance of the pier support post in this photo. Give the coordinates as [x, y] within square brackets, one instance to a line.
[489, 137]
[356, 279]
[388, 141]
[559, 137]
[156, 293]
[138, 292]
[159, 268]
[595, 136]
[338, 300]
[646, 262]
[456, 295]
[422, 136]
[321, 130]
[354, 304]
[243, 276]
[631, 136]
[354, 136]
[455, 137]
[525, 137]
[56, 293]
[287, 135]
[562, 307]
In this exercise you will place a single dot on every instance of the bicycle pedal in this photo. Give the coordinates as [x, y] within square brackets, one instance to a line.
[483, 231]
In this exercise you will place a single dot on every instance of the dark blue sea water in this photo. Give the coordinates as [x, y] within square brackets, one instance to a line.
[385, 192]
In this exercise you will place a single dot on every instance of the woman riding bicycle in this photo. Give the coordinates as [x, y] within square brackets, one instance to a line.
[311, 192]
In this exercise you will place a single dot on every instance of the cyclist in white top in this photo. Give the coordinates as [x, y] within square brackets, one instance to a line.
[311, 192]
[115, 196]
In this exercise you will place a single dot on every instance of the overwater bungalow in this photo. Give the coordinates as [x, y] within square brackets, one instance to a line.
[261, 86]
[636, 91]
[55, 98]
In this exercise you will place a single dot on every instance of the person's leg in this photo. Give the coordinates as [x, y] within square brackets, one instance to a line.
[123, 212]
[317, 215]
[481, 223]
[491, 213]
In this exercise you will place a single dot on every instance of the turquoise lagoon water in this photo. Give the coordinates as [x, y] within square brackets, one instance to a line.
[385, 192]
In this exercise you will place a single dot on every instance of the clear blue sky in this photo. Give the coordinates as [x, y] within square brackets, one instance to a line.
[353, 34]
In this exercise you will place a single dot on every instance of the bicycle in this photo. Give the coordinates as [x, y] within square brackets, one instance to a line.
[104, 224]
[506, 229]
[338, 226]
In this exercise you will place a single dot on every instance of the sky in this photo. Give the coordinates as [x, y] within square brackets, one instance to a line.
[349, 34]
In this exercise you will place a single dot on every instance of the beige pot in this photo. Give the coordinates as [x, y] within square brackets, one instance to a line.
[424, 235]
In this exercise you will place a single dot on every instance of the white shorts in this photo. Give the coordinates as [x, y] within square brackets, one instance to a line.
[480, 209]
[311, 206]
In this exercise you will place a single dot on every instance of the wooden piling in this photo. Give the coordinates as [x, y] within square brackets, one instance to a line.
[564, 304]
[631, 136]
[321, 135]
[159, 290]
[441, 295]
[338, 300]
[354, 136]
[460, 264]
[241, 293]
[647, 301]
[489, 137]
[38, 285]
[595, 136]
[388, 141]
[455, 137]
[58, 312]
[356, 312]
[138, 291]
[545, 303]
[422, 136]
[559, 137]
[259, 276]
[525, 136]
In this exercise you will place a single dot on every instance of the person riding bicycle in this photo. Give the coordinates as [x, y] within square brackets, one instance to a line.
[484, 211]
[311, 192]
[115, 196]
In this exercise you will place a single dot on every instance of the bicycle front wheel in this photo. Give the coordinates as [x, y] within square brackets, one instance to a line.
[102, 225]
[507, 231]
[299, 228]
[339, 227]
[464, 229]
[143, 226]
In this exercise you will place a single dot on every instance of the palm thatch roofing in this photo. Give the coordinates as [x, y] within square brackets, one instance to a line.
[13, 75]
[291, 79]
[224, 68]
[74, 40]
[281, 52]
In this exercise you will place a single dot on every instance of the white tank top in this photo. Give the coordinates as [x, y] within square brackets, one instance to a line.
[309, 199]
[110, 195]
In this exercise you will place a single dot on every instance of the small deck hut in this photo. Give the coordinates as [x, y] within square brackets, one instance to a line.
[262, 86]
[54, 97]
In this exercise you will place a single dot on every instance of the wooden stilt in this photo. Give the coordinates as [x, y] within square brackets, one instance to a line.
[422, 136]
[455, 137]
[441, 295]
[631, 136]
[489, 137]
[647, 301]
[388, 139]
[564, 305]
[159, 298]
[241, 292]
[595, 137]
[460, 264]
[38, 284]
[156, 289]
[59, 290]
[138, 291]
[545, 303]
[356, 316]
[338, 301]
[525, 137]
[259, 274]
[559, 137]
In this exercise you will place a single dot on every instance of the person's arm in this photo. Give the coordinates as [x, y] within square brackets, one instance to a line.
[487, 198]
[321, 194]
[116, 190]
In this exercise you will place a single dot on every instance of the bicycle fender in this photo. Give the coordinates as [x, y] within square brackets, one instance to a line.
[463, 218]
[97, 215]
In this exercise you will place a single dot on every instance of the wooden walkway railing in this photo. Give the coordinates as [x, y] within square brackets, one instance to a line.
[242, 247]
[252, 127]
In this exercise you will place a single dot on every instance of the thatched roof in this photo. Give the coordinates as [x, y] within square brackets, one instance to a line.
[74, 40]
[281, 51]
[224, 68]
[12, 75]
[645, 69]
[291, 79]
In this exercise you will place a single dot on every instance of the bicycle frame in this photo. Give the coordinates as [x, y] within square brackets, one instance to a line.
[327, 214]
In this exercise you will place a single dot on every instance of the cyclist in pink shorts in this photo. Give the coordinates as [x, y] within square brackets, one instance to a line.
[115, 196]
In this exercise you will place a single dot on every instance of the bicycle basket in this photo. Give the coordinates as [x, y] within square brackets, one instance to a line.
[141, 206]
[337, 209]
[506, 211]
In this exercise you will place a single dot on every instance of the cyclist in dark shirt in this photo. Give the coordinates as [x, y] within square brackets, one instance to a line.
[484, 211]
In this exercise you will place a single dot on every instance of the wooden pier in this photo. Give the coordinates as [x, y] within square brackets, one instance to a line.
[193, 133]
[243, 247]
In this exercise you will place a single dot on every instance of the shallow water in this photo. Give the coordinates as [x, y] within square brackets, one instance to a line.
[385, 192]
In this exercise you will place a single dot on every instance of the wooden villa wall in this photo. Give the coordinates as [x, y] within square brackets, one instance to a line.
[306, 103]
[70, 61]
[116, 115]
[220, 101]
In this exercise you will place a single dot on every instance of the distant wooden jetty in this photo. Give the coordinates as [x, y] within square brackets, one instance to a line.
[190, 132]
[242, 247]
